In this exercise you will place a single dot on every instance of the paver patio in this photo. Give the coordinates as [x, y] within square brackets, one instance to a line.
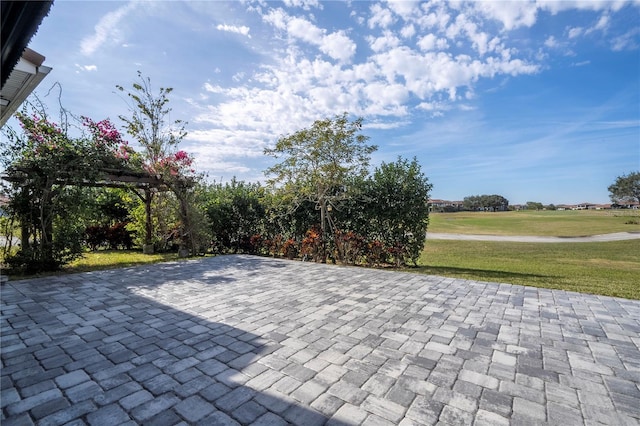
[250, 340]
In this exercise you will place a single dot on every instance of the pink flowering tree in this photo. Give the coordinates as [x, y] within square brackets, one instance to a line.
[41, 161]
[149, 124]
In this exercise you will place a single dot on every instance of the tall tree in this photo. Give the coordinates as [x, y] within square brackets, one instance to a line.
[626, 188]
[149, 124]
[318, 162]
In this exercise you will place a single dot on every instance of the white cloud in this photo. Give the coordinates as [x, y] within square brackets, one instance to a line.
[304, 4]
[431, 42]
[337, 44]
[405, 8]
[304, 30]
[511, 14]
[385, 42]
[106, 29]
[555, 6]
[626, 41]
[551, 42]
[428, 42]
[408, 31]
[277, 18]
[603, 22]
[86, 67]
[576, 32]
[238, 76]
[380, 17]
[243, 30]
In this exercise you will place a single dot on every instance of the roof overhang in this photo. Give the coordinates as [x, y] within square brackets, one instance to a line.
[22, 68]
[24, 78]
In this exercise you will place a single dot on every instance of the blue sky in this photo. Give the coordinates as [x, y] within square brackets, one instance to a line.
[535, 101]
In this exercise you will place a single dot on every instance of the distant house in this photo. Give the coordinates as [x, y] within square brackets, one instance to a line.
[627, 205]
[583, 206]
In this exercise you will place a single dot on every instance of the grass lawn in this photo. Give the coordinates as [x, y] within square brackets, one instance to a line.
[107, 259]
[610, 268]
[542, 223]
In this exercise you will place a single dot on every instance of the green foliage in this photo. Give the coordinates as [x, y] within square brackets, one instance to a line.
[40, 163]
[398, 210]
[391, 213]
[486, 203]
[147, 123]
[318, 162]
[626, 188]
[113, 205]
[165, 222]
[235, 212]
[533, 205]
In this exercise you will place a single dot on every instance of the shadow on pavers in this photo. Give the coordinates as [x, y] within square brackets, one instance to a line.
[85, 348]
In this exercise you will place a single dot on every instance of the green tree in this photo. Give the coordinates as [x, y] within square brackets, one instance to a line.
[41, 162]
[149, 124]
[485, 203]
[534, 205]
[396, 209]
[625, 188]
[235, 212]
[317, 164]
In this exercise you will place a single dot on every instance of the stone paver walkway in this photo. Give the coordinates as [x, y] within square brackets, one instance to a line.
[248, 340]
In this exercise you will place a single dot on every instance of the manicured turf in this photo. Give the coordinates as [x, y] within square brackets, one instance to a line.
[107, 259]
[611, 268]
[543, 223]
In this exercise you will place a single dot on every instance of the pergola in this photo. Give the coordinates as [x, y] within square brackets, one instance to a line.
[124, 178]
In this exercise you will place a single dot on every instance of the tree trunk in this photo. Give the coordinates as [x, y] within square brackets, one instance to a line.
[148, 237]
[46, 224]
[186, 237]
[323, 218]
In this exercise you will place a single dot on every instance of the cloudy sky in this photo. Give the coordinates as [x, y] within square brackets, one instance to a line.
[535, 101]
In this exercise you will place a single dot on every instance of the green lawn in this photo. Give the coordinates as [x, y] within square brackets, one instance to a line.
[107, 259]
[610, 269]
[543, 223]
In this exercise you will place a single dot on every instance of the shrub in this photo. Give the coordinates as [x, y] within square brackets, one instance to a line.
[118, 236]
[350, 247]
[95, 236]
[312, 246]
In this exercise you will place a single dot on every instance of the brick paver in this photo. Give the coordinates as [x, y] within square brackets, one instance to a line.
[249, 340]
